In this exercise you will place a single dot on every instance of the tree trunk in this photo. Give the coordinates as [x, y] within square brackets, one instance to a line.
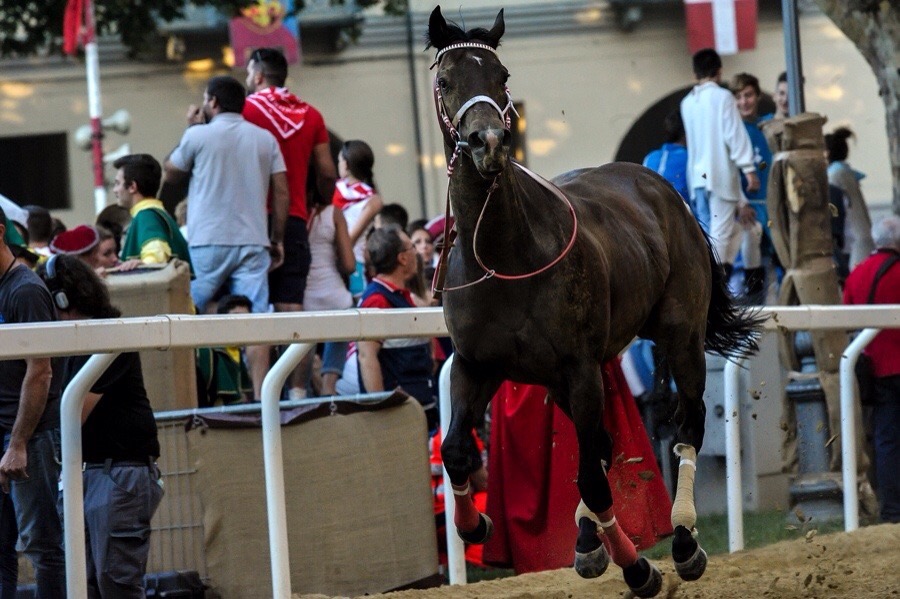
[874, 27]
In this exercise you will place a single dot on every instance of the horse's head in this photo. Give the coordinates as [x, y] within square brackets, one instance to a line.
[470, 90]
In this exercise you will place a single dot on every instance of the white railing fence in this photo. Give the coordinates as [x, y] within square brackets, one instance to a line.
[108, 338]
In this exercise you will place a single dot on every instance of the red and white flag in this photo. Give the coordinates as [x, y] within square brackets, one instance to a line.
[78, 25]
[729, 26]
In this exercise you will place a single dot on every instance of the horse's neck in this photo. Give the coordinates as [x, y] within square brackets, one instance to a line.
[510, 222]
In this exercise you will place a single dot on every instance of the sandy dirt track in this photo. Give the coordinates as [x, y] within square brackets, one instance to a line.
[864, 563]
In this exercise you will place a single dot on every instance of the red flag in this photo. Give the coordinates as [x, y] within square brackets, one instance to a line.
[72, 24]
[729, 26]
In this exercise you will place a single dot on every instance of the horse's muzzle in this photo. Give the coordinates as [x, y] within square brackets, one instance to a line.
[490, 150]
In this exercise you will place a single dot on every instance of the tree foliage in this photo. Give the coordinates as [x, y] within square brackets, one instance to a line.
[874, 27]
[29, 27]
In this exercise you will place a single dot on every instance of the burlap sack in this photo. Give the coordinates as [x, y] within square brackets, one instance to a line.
[169, 376]
[359, 504]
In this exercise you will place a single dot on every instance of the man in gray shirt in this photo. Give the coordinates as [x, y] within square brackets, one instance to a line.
[234, 165]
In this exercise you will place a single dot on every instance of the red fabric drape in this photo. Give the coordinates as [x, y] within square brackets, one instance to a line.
[533, 469]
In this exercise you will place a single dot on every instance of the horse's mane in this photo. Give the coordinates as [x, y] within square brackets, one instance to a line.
[455, 33]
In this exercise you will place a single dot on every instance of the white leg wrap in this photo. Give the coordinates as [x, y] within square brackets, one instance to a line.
[683, 511]
[461, 491]
[582, 511]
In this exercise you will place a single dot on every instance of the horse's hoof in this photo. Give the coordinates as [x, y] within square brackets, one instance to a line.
[482, 532]
[593, 564]
[591, 557]
[643, 578]
[690, 559]
[694, 567]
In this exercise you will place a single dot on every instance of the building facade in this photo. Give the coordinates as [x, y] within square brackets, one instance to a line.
[580, 81]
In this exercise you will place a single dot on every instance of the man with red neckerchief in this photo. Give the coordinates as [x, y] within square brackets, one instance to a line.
[301, 134]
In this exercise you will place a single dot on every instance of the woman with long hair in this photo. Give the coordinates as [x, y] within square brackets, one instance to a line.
[119, 443]
[332, 260]
[357, 197]
[858, 242]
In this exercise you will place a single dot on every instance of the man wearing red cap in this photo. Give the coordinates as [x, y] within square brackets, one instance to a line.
[77, 241]
[85, 242]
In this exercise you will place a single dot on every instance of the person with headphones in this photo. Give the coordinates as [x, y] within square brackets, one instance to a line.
[29, 422]
[119, 443]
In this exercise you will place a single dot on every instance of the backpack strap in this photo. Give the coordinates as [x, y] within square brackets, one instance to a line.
[885, 266]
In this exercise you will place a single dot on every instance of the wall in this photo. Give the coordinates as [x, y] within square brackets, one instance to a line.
[582, 91]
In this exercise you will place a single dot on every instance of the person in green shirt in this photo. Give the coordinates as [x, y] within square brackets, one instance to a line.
[153, 236]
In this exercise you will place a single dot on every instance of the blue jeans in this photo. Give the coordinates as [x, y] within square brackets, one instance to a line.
[333, 357]
[243, 268]
[700, 208]
[40, 524]
[9, 563]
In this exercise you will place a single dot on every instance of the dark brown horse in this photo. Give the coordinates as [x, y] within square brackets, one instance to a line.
[542, 287]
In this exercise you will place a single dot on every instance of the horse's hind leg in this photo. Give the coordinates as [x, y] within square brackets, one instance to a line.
[471, 394]
[595, 517]
[688, 362]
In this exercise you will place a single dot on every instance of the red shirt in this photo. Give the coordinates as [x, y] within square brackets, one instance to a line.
[298, 127]
[885, 348]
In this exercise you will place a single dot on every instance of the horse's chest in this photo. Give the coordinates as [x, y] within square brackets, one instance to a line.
[487, 333]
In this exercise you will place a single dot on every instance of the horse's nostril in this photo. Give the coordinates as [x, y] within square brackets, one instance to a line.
[476, 140]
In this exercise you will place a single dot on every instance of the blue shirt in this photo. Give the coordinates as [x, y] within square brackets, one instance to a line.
[670, 161]
[762, 160]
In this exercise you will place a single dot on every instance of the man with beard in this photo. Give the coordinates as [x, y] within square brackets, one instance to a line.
[233, 166]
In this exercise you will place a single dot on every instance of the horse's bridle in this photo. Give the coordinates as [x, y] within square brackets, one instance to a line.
[450, 126]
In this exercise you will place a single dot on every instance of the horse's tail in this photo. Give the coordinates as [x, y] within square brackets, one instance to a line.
[732, 331]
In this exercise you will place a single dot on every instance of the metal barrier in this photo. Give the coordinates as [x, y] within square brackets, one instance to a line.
[176, 541]
[167, 332]
[872, 318]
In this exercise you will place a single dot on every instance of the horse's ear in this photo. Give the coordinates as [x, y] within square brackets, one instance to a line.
[497, 30]
[438, 36]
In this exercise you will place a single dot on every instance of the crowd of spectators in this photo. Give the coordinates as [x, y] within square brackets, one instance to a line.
[256, 239]
[721, 170]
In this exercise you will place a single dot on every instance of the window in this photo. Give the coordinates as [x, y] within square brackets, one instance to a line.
[34, 169]
[517, 126]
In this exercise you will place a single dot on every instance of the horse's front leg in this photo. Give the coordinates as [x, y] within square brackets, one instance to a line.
[470, 394]
[599, 534]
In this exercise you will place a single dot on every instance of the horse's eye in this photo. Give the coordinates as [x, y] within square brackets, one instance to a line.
[443, 84]
[505, 76]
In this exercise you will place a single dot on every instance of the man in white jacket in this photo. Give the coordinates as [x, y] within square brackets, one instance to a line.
[718, 149]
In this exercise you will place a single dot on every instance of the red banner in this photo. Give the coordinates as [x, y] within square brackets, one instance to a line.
[72, 23]
[729, 26]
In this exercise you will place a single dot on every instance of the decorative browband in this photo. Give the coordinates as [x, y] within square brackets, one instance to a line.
[462, 45]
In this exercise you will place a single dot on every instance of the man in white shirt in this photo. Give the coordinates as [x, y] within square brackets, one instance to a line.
[718, 150]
